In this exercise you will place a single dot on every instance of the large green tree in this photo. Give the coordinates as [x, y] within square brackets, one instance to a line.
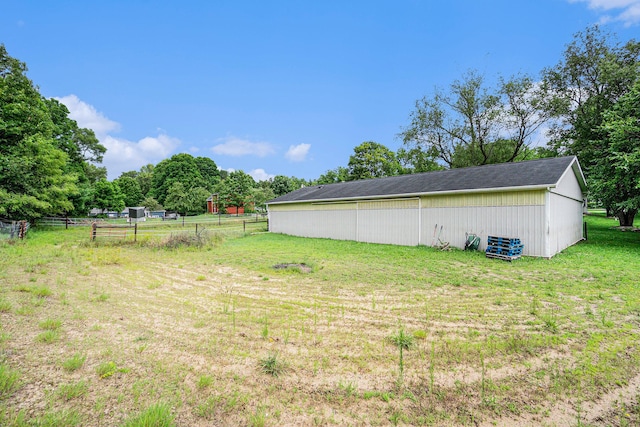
[209, 171]
[594, 74]
[143, 177]
[186, 200]
[236, 189]
[182, 168]
[471, 118]
[415, 160]
[107, 195]
[615, 174]
[332, 176]
[130, 189]
[372, 160]
[281, 185]
[38, 170]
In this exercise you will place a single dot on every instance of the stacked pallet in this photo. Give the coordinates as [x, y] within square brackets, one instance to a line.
[506, 248]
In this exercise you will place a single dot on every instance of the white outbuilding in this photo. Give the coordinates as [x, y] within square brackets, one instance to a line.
[539, 202]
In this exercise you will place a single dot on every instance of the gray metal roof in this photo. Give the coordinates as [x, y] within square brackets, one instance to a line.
[533, 173]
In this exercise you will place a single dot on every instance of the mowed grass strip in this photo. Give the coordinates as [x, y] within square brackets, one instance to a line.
[490, 340]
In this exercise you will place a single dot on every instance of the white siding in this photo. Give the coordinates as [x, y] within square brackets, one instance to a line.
[569, 186]
[523, 222]
[331, 224]
[566, 207]
[394, 226]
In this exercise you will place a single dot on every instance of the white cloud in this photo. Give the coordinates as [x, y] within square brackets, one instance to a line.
[260, 175]
[625, 11]
[233, 146]
[122, 155]
[88, 117]
[297, 153]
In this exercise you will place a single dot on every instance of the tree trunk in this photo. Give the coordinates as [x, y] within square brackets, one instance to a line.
[626, 217]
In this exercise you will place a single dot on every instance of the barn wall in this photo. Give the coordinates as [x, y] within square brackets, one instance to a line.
[532, 216]
[518, 214]
[379, 221]
[334, 221]
[566, 208]
[389, 221]
[452, 224]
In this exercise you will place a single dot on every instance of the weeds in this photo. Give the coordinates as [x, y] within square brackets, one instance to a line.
[209, 407]
[403, 341]
[204, 381]
[5, 306]
[9, 380]
[48, 336]
[50, 324]
[178, 240]
[41, 291]
[156, 415]
[71, 391]
[106, 369]
[258, 418]
[63, 417]
[272, 365]
[73, 363]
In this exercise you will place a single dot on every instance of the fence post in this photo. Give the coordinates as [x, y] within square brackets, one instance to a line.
[244, 226]
[196, 228]
[183, 221]
[135, 232]
[66, 222]
[94, 227]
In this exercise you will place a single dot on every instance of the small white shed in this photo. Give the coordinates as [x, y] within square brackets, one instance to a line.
[538, 201]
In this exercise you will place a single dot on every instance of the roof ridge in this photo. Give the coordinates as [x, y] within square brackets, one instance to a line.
[485, 177]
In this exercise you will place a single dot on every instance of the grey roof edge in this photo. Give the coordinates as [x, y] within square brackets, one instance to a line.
[561, 165]
[414, 195]
[577, 170]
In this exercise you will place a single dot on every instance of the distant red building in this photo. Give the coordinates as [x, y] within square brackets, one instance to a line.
[212, 204]
[213, 207]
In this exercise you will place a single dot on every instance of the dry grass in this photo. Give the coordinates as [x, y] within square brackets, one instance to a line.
[530, 342]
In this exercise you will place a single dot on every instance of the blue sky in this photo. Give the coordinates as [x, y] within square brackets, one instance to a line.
[277, 87]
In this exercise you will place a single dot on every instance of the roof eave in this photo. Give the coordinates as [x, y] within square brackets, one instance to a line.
[430, 193]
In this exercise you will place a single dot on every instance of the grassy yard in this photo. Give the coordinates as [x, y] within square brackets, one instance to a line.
[110, 333]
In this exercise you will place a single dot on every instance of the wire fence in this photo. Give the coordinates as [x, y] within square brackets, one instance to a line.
[13, 229]
[142, 231]
[220, 220]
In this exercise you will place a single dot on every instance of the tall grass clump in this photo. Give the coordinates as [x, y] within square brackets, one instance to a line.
[74, 363]
[71, 391]
[9, 380]
[5, 306]
[190, 239]
[156, 415]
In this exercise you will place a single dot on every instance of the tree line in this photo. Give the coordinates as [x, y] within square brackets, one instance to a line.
[588, 105]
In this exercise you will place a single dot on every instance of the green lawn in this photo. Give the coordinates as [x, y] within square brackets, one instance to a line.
[116, 333]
